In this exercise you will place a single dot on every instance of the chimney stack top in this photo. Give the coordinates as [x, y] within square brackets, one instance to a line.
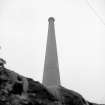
[51, 19]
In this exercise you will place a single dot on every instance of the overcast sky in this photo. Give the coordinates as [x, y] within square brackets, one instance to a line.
[80, 36]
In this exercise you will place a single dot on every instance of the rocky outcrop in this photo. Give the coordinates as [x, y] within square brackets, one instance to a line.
[16, 89]
[90, 103]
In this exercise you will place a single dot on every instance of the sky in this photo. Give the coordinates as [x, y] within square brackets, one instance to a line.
[80, 37]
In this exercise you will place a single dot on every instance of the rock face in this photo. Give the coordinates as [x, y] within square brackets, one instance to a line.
[19, 90]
